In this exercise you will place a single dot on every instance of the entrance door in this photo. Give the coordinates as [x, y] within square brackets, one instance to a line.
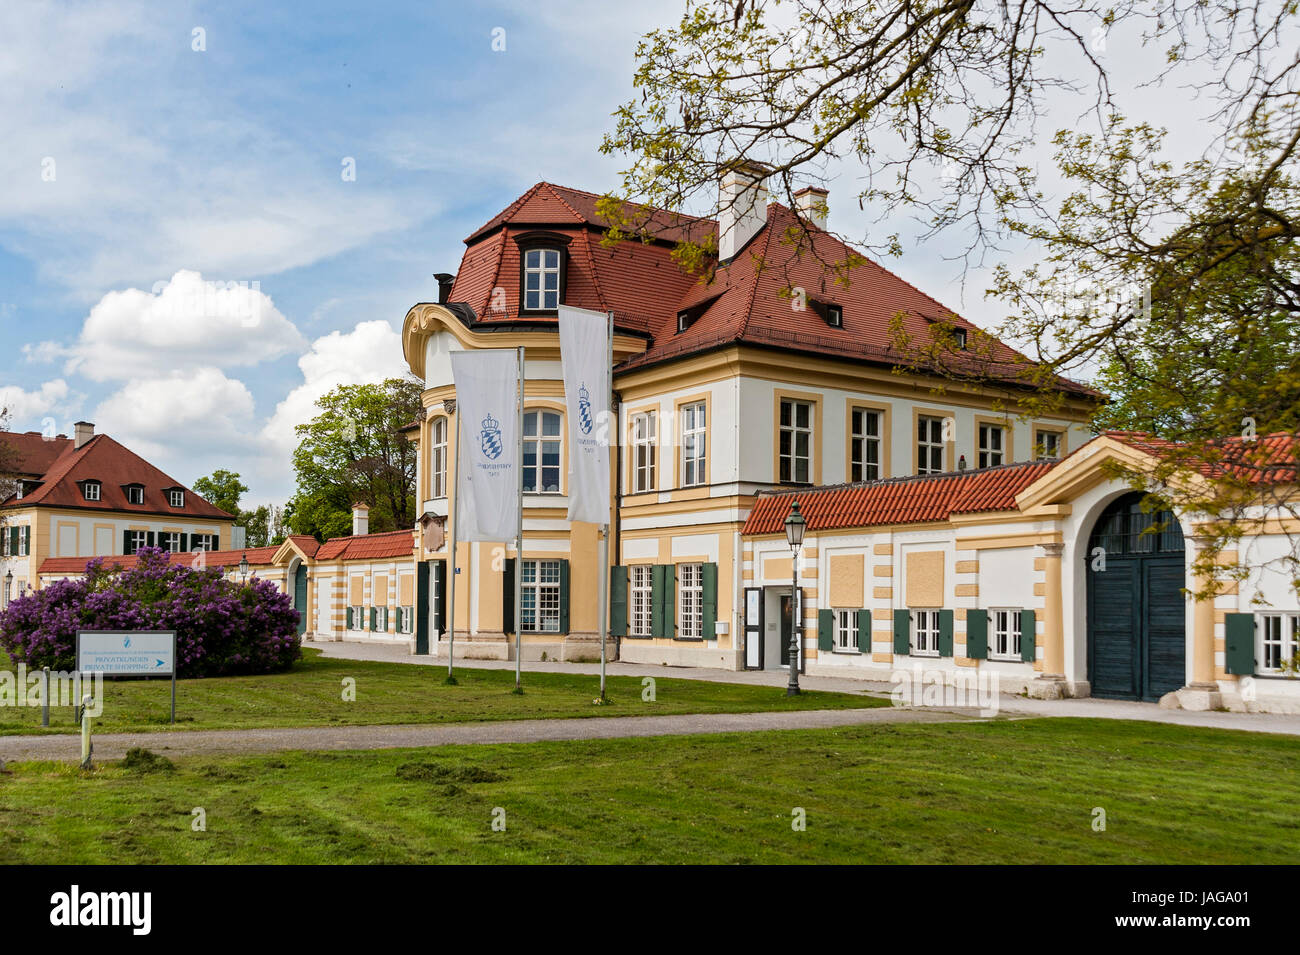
[1136, 621]
[300, 597]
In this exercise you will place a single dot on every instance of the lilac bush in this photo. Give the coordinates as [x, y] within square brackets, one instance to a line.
[223, 628]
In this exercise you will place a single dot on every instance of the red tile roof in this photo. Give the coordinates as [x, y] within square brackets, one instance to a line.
[257, 557]
[30, 453]
[114, 466]
[1268, 459]
[643, 286]
[306, 543]
[369, 546]
[899, 500]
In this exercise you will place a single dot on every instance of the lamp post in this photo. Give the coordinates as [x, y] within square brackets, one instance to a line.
[243, 569]
[794, 528]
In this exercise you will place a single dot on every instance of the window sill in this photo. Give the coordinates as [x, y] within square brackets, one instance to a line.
[932, 654]
[689, 639]
[847, 651]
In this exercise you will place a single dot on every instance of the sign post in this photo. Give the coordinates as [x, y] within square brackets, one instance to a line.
[146, 653]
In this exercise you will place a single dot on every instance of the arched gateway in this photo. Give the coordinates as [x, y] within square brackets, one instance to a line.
[1136, 618]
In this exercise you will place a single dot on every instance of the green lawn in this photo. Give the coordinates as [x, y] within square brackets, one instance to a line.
[312, 695]
[1002, 791]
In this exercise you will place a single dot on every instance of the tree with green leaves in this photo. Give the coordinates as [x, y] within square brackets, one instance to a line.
[1177, 279]
[222, 489]
[354, 451]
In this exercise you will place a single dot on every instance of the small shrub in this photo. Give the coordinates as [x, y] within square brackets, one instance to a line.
[140, 760]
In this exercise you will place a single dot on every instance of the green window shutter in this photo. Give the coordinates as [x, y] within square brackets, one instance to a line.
[864, 631]
[216, 542]
[618, 601]
[150, 540]
[977, 634]
[13, 541]
[1239, 643]
[508, 596]
[1028, 636]
[945, 633]
[709, 600]
[185, 543]
[564, 596]
[902, 632]
[826, 630]
[670, 600]
[349, 618]
[657, 600]
[374, 619]
[126, 543]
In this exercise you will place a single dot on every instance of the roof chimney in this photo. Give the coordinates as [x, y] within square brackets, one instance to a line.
[811, 204]
[360, 520]
[445, 280]
[83, 431]
[742, 207]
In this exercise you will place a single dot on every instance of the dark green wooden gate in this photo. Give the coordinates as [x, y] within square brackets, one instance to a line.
[300, 597]
[1136, 606]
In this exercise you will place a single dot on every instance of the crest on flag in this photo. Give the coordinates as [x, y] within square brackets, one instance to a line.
[490, 437]
[584, 409]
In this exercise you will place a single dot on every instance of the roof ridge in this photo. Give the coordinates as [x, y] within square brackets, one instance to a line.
[576, 214]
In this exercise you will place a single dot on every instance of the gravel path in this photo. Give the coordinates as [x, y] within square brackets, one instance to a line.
[202, 742]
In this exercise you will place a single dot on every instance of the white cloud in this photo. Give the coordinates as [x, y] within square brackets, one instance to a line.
[25, 407]
[168, 418]
[369, 353]
[183, 323]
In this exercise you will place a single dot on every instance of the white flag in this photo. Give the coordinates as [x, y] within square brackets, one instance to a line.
[487, 492]
[584, 354]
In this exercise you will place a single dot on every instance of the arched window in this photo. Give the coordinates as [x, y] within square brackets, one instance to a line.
[438, 456]
[542, 442]
[1124, 529]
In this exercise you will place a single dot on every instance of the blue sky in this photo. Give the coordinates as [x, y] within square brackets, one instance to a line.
[137, 168]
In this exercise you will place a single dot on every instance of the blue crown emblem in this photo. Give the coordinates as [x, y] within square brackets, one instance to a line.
[584, 409]
[490, 437]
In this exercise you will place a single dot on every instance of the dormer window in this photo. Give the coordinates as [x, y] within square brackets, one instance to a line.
[683, 321]
[835, 316]
[90, 490]
[134, 493]
[542, 263]
[959, 337]
[176, 498]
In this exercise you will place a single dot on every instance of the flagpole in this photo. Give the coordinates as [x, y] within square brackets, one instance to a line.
[519, 537]
[603, 583]
[450, 584]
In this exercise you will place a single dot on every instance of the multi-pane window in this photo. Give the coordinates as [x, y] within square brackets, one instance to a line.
[864, 446]
[135, 541]
[846, 629]
[1049, 445]
[90, 490]
[406, 619]
[644, 451]
[381, 619]
[1006, 634]
[693, 444]
[202, 542]
[542, 451]
[929, 445]
[690, 601]
[992, 441]
[639, 600]
[176, 498]
[541, 279]
[358, 618]
[170, 542]
[925, 632]
[539, 599]
[23, 542]
[438, 458]
[1281, 641]
[796, 441]
[134, 494]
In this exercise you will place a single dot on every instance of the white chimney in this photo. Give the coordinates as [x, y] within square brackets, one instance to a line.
[83, 431]
[811, 204]
[742, 207]
[360, 520]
